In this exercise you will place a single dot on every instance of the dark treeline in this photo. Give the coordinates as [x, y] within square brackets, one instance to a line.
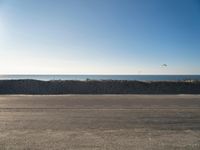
[98, 87]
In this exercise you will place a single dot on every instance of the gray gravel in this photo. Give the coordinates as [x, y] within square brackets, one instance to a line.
[100, 122]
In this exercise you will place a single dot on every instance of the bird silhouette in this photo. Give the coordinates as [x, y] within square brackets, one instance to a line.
[164, 65]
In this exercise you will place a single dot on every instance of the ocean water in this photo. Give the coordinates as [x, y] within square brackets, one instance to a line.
[103, 77]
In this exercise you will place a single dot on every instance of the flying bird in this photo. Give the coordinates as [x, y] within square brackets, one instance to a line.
[164, 65]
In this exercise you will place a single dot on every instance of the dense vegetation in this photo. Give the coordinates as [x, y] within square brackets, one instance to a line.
[98, 87]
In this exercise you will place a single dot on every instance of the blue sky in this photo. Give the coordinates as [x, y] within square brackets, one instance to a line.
[99, 36]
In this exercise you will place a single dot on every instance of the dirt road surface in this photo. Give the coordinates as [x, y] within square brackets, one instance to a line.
[100, 122]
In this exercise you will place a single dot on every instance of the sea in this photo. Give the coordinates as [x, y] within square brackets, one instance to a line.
[103, 77]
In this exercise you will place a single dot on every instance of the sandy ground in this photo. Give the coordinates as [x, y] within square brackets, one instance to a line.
[100, 122]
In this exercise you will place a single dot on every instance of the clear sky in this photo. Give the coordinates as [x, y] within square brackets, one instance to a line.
[99, 36]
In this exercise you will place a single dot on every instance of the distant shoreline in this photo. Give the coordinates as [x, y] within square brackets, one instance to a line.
[102, 77]
[36, 87]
